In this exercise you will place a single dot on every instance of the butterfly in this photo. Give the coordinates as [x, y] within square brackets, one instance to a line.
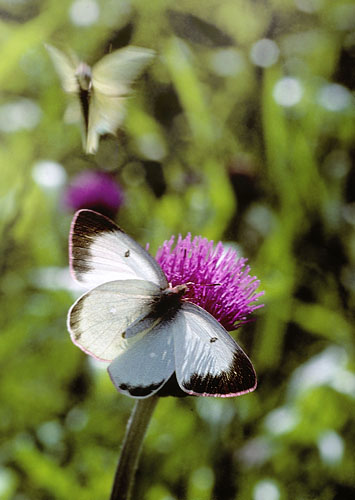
[148, 331]
[101, 89]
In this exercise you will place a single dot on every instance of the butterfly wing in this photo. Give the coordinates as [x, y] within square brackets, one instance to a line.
[65, 68]
[106, 114]
[100, 252]
[112, 77]
[114, 73]
[91, 139]
[99, 319]
[70, 70]
[146, 365]
[208, 362]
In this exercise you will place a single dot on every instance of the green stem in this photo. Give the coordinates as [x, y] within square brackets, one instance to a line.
[131, 448]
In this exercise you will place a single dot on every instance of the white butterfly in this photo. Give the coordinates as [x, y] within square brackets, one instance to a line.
[149, 332]
[101, 89]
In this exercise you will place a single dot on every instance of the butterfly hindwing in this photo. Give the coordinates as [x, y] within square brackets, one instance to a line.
[147, 364]
[208, 361]
[100, 251]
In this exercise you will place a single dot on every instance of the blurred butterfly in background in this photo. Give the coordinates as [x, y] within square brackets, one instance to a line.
[101, 89]
[133, 318]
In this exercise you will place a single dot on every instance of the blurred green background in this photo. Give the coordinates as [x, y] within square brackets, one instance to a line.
[242, 130]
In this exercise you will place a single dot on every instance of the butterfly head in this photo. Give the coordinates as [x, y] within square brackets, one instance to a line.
[84, 76]
[178, 290]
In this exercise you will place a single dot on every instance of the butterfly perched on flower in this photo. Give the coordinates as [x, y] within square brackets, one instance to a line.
[102, 89]
[147, 328]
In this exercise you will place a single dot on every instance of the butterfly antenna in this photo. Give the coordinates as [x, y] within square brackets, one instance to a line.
[203, 284]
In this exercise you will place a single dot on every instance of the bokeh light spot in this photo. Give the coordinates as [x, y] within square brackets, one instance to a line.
[331, 447]
[84, 12]
[266, 490]
[151, 146]
[7, 480]
[49, 174]
[288, 91]
[226, 62]
[264, 53]
[50, 433]
[334, 97]
[281, 420]
[21, 114]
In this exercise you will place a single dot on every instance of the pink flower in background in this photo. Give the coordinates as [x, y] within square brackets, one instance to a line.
[95, 190]
[231, 292]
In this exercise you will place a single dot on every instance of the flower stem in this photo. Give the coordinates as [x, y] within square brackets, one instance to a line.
[131, 448]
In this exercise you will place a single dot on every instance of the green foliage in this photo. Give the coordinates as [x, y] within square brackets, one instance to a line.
[207, 148]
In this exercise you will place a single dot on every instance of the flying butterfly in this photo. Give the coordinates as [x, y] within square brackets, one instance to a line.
[133, 318]
[101, 89]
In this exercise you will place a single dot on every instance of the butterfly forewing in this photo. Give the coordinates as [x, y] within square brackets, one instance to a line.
[146, 365]
[115, 72]
[99, 319]
[65, 68]
[208, 361]
[100, 251]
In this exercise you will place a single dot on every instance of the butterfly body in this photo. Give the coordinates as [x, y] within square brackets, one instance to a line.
[170, 299]
[83, 76]
[145, 327]
[102, 89]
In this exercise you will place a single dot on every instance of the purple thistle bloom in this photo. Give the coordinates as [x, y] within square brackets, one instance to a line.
[96, 191]
[229, 293]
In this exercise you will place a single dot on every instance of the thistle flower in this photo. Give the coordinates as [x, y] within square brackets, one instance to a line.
[95, 190]
[221, 283]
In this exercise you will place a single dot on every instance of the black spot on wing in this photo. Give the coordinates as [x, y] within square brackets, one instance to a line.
[139, 391]
[87, 226]
[238, 379]
[126, 254]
